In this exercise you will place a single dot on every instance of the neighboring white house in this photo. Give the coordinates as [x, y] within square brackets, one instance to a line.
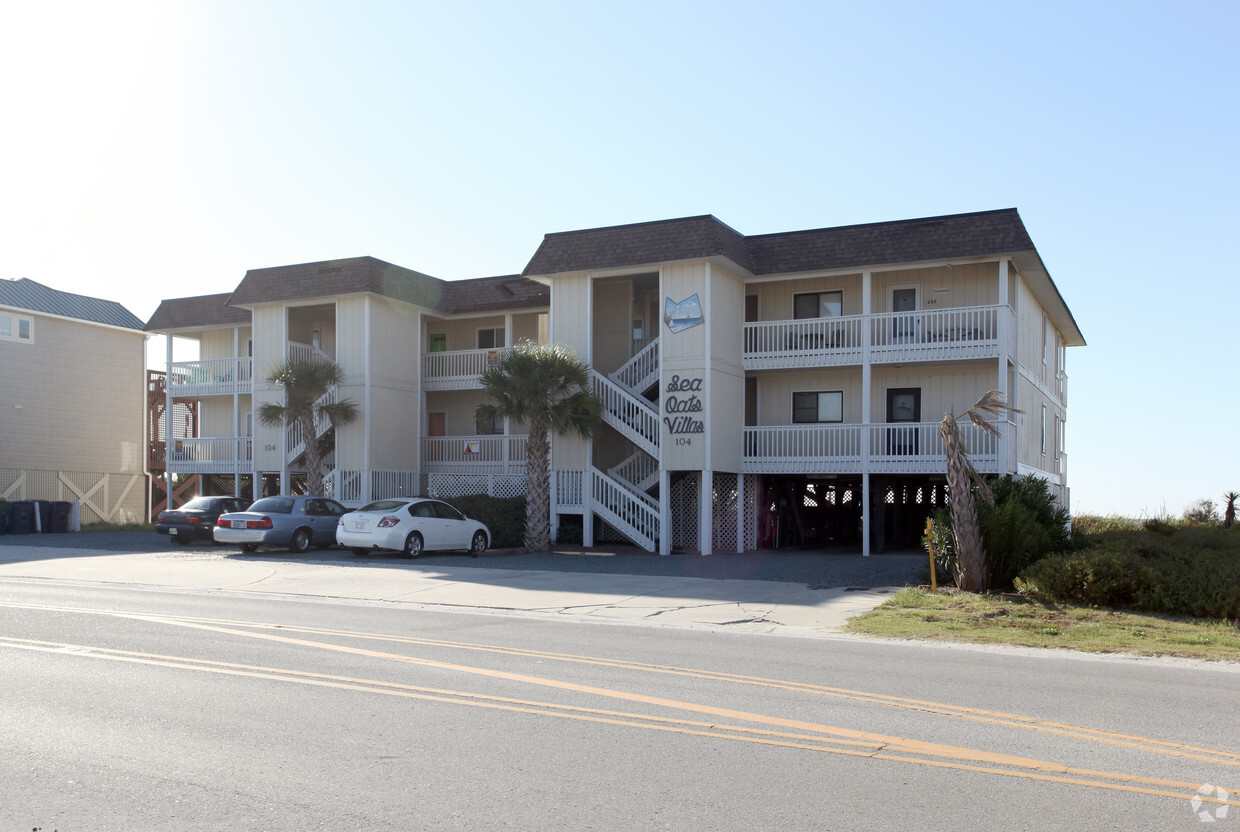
[72, 398]
[801, 376]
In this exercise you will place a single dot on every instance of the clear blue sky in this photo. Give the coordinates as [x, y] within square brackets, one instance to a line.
[154, 150]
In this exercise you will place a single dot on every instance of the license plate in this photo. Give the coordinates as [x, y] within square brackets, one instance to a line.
[358, 525]
[172, 532]
[238, 524]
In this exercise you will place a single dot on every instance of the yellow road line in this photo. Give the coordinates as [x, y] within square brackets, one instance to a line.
[687, 727]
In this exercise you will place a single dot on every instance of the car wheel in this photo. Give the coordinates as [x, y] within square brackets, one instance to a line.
[249, 547]
[479, 544]
[300, 544]
[413, 545]
[359, 551]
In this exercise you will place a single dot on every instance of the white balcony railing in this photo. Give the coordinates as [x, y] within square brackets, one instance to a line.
[213, 377]
[215, 455]
[843, 449]
[488, 454]
[883, 338]
[458, 369]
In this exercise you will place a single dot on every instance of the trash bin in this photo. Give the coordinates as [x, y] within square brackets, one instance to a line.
[44, 507]
[21, 520]
[61, 511]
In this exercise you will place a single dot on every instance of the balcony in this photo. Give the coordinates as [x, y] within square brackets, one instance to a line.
[212, 377]
[904, 448]
[489, 454]
[216, 455]
[886, 338]
[458, 369]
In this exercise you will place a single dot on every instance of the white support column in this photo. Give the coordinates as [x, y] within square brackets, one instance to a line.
[509, 341]
[587, 507]
[236, 397]
[665, 511]
[706, 491]
[867, 394]
[1002, 383]
[168, 417]
[741, 519]
[865, 514]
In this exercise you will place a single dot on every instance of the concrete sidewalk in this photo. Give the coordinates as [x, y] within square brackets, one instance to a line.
[731, 603]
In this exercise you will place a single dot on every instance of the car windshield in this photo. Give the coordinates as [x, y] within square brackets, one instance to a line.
[383, 505]
[273, 505]
[199, 504]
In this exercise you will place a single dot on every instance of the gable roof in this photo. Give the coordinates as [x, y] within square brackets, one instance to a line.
[25, 293]
[204, 311]
[696, 238]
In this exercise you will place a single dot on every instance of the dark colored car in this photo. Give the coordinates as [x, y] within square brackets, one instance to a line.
[196, 519]
[296, 522]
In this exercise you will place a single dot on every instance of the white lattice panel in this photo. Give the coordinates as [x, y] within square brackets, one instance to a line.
[750, 510]
[459, 485]
[724, 513]
[685, 512]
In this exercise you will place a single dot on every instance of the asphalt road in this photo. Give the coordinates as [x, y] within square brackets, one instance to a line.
[125, 708]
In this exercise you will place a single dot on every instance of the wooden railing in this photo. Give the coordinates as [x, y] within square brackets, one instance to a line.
[458, 369]
[878, 448]
[212, 377]
[487, 454]
[640, 371]
[635, 515]
[883, 338]
[633, 416]
[215, 455]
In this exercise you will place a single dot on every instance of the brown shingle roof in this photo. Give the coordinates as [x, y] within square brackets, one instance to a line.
[201, 311]
[491, 294]
[902, 241]
[332, 278]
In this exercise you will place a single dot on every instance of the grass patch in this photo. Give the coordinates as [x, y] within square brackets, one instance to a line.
[997, 619]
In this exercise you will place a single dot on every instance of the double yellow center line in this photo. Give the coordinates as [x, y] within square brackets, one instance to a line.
[722, 722]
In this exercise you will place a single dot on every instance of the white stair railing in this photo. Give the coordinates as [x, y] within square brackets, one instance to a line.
[640, 371]
[639, 472]
[632, 416]
[633, 515]
[293, 439]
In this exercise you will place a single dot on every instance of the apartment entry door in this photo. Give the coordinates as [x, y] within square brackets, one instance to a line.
[903, 416]
[903, 301]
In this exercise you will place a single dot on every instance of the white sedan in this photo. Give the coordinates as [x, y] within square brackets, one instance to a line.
[412, 526]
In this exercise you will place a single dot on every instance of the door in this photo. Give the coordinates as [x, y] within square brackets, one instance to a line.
[903, 406]
[436, 425]
[903, 300]
[454, 530]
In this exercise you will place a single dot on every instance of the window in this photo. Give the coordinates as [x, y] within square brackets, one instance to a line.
[437, 342]
[1043, 430]
[818, 305]
[487, 427]
[491, 338]
[823, 406]
[1044, 328]
[20, 328]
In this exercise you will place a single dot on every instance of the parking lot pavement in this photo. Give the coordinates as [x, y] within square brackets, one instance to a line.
[788, 590]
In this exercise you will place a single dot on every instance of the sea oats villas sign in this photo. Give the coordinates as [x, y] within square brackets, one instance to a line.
[681, 404]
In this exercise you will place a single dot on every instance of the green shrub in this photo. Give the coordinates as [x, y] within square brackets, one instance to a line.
[504, 516]
[1087, 524]
[1192, 570]
[570, 530]
[1022, 527]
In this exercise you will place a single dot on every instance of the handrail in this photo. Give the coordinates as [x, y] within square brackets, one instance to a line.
[640, 371]
[631, 415]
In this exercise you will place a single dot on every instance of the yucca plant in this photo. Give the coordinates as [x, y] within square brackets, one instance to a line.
[971, 572]
[1229, 513]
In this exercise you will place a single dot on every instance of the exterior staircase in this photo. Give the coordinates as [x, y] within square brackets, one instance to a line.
[620, 495]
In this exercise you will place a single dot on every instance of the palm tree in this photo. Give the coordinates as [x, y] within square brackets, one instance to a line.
[1229, 514]
[971, 572]
[547, 388]
[306, 381]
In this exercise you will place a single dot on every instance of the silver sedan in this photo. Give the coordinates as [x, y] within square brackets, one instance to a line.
[296, 522]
